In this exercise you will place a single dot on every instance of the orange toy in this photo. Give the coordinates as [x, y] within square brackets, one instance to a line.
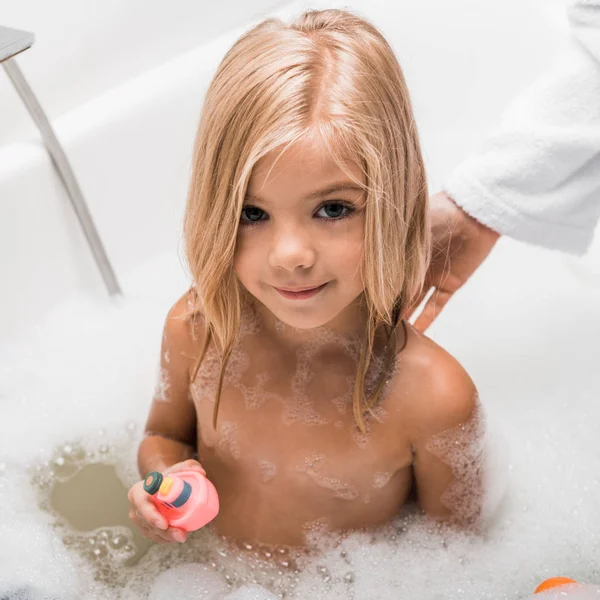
[552, 583]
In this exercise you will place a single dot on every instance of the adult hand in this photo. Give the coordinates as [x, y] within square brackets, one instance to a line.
[459, 245]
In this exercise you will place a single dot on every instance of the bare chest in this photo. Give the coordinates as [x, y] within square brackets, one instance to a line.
[287, 430]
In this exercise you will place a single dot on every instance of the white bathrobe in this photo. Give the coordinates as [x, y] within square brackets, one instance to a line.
[537, 177]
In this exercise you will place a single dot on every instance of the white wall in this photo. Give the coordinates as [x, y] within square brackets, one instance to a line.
[86, 47]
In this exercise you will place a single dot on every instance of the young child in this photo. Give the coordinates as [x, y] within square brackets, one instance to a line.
[287, 369]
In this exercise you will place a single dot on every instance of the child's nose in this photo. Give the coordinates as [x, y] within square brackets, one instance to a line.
[291, 249]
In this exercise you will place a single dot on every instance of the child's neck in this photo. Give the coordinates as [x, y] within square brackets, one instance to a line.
[348, 327]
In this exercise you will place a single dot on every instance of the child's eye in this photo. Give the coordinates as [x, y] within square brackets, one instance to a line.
[252, 214]
[334, 211]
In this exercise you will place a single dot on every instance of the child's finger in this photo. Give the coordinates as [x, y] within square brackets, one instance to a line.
[170, 535]
[178, 535]
[150, 515]
[146, 508]
[156, 535]
[157, 526]
[150, 532]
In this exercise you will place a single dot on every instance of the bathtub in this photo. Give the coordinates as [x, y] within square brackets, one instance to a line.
[77, 368]
[130, 143]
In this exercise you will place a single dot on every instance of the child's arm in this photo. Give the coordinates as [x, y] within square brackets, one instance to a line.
[170, 434]
[170, 441]
[447, 443]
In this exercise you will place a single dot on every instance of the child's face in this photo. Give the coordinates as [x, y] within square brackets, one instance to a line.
[290, 239]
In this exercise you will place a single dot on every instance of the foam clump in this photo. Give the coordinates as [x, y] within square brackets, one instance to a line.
[188, 582]
[47, 571]
[250, 592]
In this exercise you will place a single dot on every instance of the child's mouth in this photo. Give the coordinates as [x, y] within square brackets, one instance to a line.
[301, 295]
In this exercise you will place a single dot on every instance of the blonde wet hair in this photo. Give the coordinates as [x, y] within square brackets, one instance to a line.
[328, 75]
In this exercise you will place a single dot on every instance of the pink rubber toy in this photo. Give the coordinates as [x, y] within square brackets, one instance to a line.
[186, 499]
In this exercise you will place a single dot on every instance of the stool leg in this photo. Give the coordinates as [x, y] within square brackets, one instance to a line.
[66, 174]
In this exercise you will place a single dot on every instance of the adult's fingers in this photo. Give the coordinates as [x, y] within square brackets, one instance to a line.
[432, 309]
[413, 307]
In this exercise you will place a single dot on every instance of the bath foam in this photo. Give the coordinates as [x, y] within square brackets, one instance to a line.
[188, 581]
[251, 592]
[380, 480]
[65, 381]
[162, 392]
[228, 443]
[462, 448]
[255, 396]
[297, 406]
[344, 400]
[313, 467]
[268, 470]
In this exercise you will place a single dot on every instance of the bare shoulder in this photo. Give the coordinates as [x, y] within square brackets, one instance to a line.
[184, 328]
[439, 393]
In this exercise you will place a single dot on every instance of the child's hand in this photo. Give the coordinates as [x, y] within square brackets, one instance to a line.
[145, 515]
